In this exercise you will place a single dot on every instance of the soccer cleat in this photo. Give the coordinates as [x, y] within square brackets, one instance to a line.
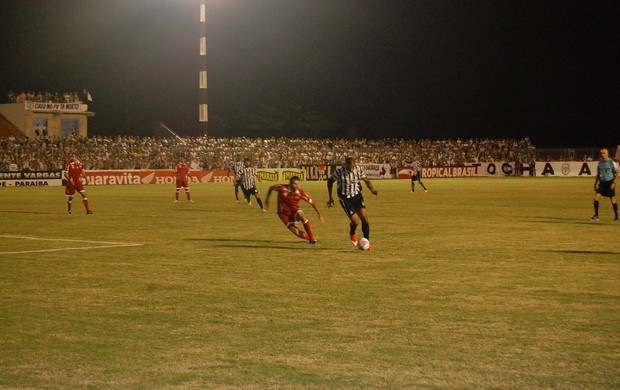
[263, 210]
[176, 201]
[89, 211]
[69, 212]
[425, 190]
[354, 239]
[190, 201]
[595, 218]
[312, 242]
[615, 219]
[370, 248]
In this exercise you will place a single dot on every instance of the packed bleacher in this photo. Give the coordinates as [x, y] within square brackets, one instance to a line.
[43, 97]
[131, 152]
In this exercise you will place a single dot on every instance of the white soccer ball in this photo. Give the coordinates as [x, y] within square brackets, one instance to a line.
[363, 244]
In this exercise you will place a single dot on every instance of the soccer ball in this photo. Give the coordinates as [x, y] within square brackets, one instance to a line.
[363, 244]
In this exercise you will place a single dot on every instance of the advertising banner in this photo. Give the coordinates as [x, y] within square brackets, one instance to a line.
[377, 171]
[157, 176]
[30, 179]
[566, 168]
[435, 172]
[40, 106]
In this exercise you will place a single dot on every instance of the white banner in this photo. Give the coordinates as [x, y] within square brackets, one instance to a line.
[377, 171]
[30, 179]
[566, 168]
[52, 106]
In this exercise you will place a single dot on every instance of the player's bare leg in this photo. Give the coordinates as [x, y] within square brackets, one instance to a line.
[69, 201]
[355, 220]
[365, 225]
[85, 201]
[301, 217]
[299, 233]
[260, 202]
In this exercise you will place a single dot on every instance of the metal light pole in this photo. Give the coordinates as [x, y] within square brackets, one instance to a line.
[203, 110]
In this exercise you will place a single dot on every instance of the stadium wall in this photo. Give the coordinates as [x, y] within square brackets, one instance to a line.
[282, 175]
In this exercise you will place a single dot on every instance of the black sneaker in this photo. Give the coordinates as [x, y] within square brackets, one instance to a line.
[89, 212]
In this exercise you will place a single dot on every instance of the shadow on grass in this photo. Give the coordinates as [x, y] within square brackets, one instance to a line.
[235, 243]
[563, 220]
[31, 212]
[583, 252]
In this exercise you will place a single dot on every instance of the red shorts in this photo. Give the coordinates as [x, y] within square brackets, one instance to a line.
[288, 217]
[70, 188]
[182, 183]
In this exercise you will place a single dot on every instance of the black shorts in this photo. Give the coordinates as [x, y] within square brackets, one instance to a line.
[604, 188]
[352, 205]
[249, 191]
[416, 177]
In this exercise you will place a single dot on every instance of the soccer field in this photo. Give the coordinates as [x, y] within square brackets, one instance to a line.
[478, 283]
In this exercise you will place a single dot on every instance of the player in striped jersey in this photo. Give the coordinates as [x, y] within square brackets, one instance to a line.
[416, 175]
[236, 167]
[248, 183]
[348, 179]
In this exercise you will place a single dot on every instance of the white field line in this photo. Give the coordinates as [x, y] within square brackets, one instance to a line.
[107, 244]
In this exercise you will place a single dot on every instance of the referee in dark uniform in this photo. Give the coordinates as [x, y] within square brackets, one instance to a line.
[348, 179]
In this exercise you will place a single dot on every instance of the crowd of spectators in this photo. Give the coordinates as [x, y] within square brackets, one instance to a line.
[43, 97]
[131, 152]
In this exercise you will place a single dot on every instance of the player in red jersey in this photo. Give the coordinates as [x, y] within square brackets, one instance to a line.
[288, 208]
[183, 178]
[74, 175]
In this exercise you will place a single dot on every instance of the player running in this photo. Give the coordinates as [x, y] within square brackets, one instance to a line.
[348, 179]
[416, 175]
[248, 183]
[74, 173]
[288, 208]
[236, 167]
[183, 177]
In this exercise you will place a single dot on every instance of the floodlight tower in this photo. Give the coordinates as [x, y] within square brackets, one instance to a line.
[203, 110]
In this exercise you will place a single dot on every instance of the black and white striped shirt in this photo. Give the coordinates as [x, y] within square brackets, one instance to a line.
[415, 168]
[248, 177]
[349, 182]
[237, 167]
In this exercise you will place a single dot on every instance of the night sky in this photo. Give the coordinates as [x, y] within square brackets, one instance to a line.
[375, 68]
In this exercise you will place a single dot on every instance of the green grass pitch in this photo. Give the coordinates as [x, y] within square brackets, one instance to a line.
[478, 283]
